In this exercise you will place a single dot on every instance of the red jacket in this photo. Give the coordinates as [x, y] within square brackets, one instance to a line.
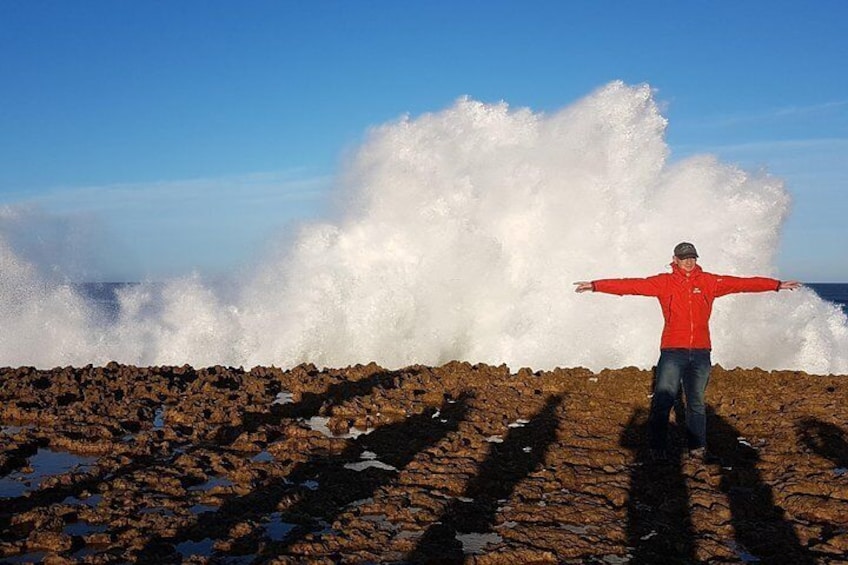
[686, 300]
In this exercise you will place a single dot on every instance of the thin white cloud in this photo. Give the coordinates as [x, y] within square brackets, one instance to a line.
[810, 163]
[811, 109]
[160, 228]
[260, 190]
[823, 109]
[59, 246]
[771, 146]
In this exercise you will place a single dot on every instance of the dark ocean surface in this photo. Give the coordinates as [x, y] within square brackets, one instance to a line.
[834, 292]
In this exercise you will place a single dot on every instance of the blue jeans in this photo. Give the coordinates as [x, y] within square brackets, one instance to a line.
[692, 368]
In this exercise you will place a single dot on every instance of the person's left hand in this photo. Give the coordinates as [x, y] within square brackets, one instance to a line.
[789, 285]
[583, 286]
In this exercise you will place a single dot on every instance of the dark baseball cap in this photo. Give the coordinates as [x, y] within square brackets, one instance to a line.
[685, 250]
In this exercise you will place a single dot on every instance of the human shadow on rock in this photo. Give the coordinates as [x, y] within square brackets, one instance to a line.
[310, 404]
[659, 524]
[318, 490]
[762, 531]
[508, 463]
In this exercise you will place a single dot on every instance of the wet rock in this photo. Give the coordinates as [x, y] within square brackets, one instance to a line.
[48, 541]
[363, 464]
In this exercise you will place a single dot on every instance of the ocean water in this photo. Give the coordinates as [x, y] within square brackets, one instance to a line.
[836, 293]
[459, 235]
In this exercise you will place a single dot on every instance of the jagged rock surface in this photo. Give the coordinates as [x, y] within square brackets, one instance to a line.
[452, 464]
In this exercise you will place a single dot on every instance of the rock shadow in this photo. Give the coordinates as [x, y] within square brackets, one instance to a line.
[825, 439]
[317, 491]
[521, 452]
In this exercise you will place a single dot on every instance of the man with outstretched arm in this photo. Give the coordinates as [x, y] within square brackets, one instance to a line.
[686, 297]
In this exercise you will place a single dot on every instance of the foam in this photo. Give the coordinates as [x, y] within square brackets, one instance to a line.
[461, 235]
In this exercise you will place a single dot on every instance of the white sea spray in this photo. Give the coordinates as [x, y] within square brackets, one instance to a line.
[462, 233]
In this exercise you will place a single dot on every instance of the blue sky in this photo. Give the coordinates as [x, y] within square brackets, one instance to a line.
[160, 137]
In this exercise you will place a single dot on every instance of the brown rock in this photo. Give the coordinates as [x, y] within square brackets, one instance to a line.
[192, 472]
[48, 541]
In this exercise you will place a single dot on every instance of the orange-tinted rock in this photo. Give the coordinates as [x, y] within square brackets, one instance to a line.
[546, 466]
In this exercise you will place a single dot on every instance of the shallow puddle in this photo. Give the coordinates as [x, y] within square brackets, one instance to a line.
[202, 547]
[382, 521]
[277, 529]
[319, 424]
[92, 501]
[159, 418]
[475, 543]
[743, 554]
[206, 548]
[362, 465]
[369, 459]
[201, 508]
[13, 430]
[215, 481]
[35, 557]
[283, 397]
[85, 551]
[262, 457]
[45, 463]
[84, 528]
[360, 502]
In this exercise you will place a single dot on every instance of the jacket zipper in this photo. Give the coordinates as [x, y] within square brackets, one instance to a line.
[691, 318]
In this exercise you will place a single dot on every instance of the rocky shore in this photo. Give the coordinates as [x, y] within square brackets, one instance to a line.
[451, 464]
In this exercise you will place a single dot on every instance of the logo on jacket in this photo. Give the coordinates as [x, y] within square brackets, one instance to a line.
[696, 290]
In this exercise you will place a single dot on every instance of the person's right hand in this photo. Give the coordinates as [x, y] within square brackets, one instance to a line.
[583, 286]
[789, 285]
